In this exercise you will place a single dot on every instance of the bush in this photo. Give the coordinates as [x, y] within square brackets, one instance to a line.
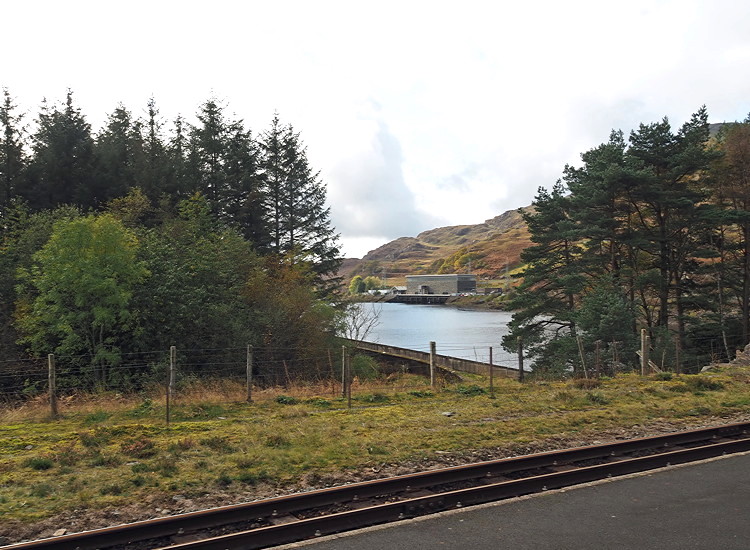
[471, 390]
[39, 463]
[287, 400]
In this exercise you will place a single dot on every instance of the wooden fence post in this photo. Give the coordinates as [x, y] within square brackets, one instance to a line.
[520, 359]
[343, 371]
[52, 385]
[433, 358]
[249, 370]
[492, 369]
[349, 377]
[598, 358]
[170, 378]
[644, 355]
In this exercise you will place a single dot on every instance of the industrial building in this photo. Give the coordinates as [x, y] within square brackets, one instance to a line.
[441, 284]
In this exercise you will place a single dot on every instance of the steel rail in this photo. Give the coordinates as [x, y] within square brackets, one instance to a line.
[283, 506]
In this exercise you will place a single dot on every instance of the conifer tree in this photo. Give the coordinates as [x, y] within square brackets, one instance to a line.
[298, 218]
[12, 154]
[62, 168]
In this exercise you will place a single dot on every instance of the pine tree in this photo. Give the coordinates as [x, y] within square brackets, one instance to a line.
[546, 300]
[12, 154]
[298, 218]
[62, 168]
[120, 155]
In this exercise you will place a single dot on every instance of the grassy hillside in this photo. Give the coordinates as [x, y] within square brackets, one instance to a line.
[488, 249]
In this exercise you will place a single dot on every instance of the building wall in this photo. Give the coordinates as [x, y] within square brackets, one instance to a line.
[440, 284]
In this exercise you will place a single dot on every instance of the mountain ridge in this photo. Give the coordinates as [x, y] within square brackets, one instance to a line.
[489, 249]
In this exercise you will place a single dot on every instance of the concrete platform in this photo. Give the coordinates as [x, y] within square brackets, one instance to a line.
[698, 506]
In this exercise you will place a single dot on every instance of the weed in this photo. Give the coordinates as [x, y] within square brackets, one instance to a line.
[41, 490]
[376, 397]
[377, 450]
[96, 417]
[470, 390]
[39, 463]
[141, 467]
[703, 383]
[421, 393]
[319, 402]
[111, 489]
[138, 481]
[105, 459]
[277, 441]
[664, 376]
[139, 448]
[287, 400]
[95, 438]
[182, 445]
[217, 443]
[597, 398]
[586, 383]
[252, 478]
[145, 408]
[202, 411]
[224, 480]
[166, 466]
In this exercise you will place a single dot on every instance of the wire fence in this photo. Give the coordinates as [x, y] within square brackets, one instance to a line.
[230, 375]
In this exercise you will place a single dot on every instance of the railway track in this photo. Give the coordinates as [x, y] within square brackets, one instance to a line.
[302, 516]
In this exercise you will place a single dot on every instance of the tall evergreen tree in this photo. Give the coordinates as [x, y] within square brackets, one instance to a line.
[223, 166]
[120, 155]
[62, 168]
[12, 154]
[546, 300]
[298, 218]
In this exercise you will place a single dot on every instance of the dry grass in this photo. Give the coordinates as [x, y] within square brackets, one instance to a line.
[111, 450]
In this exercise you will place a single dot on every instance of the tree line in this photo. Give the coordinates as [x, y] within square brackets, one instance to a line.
[650, 232]
[141, 236]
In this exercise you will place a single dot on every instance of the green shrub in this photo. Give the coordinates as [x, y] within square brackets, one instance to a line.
[287, 400]
[665, 376]
[597, 398]
[421, 393]
[470, 390]
[39, 463]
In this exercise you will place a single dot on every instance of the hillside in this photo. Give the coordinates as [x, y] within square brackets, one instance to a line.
[489, 249]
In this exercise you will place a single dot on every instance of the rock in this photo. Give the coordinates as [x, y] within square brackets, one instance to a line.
[28, 447]
[178, 498]
[59, 532]
[448, 413]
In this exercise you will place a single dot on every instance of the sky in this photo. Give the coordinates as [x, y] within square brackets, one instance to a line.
[418, 114]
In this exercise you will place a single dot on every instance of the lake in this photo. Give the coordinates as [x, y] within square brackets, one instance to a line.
[467, 334]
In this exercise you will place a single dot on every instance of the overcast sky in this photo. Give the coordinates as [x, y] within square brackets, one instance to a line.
[418, 114]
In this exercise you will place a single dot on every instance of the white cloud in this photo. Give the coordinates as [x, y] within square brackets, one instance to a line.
[417, 113]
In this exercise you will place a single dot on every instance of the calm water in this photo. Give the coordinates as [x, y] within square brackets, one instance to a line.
[460, 333]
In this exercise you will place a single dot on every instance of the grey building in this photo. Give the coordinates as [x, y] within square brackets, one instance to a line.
[441, 284]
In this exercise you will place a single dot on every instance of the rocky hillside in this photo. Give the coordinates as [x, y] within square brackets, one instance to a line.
[489, 249]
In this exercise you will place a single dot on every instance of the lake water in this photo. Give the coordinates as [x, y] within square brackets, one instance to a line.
[467, 334]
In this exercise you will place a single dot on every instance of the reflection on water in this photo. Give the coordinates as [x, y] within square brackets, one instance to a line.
[460, 333]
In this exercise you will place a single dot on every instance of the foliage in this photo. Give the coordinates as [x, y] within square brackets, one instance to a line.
[83, 280]
[633, 239]
[357, 285]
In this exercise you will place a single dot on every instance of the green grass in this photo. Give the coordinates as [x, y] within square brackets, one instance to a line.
[99, 456]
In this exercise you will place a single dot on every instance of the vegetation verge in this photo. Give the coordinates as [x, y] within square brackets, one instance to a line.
[111, 459]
